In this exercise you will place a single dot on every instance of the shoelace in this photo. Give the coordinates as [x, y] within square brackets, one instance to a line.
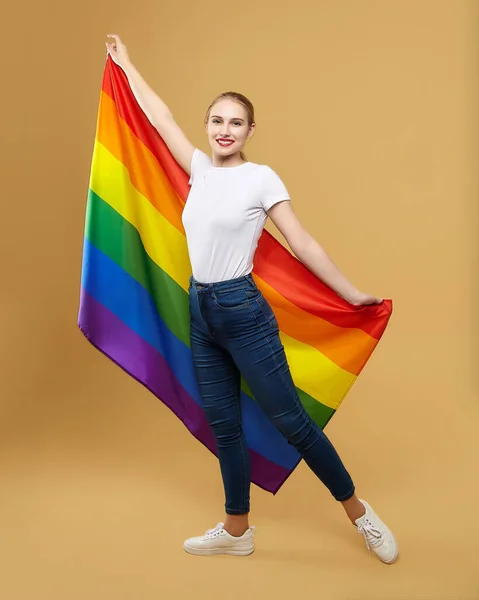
[210, 533]
[371, 534]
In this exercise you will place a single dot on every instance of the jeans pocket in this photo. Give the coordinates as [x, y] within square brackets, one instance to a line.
[234, 299]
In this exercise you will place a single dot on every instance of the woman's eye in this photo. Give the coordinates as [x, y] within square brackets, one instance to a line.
[238, 123]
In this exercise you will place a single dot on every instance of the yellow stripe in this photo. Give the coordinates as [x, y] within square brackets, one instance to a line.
[312, 372]
[316, 374]
[163, 243]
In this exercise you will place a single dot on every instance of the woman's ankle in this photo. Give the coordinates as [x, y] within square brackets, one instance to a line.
[354, 508]
[236, 525]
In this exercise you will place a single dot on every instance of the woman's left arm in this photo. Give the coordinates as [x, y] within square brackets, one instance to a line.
[313, 255]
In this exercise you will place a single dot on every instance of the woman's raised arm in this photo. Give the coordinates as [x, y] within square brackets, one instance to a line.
[153, 106]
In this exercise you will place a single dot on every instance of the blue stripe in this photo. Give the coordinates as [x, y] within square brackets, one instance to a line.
[110, 285]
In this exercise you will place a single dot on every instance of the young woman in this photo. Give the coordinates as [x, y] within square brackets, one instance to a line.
[233, 328]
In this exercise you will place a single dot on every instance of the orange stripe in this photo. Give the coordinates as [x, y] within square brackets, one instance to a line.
[348, 348]
[146, 177]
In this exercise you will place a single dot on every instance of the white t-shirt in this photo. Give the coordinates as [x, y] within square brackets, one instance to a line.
[225, 214]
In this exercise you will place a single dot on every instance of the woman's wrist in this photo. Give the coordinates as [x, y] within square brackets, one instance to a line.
[351, 295]
[128, 67]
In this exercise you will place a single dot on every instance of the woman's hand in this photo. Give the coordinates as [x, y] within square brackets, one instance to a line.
[117, 50]
[360, 299]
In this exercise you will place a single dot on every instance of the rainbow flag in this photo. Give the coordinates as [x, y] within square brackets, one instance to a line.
[134, 298]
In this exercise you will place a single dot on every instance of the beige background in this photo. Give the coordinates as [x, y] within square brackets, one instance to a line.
[368, 111]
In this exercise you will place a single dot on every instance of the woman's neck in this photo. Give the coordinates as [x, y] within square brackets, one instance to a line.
[228, 161]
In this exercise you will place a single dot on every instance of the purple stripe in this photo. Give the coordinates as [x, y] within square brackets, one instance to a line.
[145, 364]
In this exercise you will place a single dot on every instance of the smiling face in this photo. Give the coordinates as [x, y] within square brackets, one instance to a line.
[228, 130]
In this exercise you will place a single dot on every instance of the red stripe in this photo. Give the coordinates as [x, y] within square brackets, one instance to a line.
[273, 262]
[294, 281]
[116, 85]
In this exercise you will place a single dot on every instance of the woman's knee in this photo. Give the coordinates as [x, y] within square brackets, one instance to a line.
[300, 432]
[227, 429]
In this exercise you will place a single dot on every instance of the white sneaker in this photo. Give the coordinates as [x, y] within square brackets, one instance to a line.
[378, 536]
[219, 541]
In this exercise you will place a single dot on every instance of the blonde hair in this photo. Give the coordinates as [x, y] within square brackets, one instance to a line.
[243, 100]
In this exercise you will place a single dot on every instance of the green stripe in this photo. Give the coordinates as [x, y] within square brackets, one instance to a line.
[119, 240]
[108, 231]
[316, 410]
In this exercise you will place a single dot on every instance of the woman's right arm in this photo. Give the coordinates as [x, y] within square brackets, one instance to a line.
[154, 108]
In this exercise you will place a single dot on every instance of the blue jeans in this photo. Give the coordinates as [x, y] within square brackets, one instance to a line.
[233, 331]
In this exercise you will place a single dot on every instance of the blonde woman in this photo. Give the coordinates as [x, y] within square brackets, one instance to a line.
[233, 328]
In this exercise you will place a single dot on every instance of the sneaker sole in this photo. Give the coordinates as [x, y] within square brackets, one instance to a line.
[214, 551]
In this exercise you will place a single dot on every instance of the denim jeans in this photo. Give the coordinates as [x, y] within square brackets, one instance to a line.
[233, 331]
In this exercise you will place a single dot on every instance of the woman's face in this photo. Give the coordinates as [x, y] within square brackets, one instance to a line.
[228, 128]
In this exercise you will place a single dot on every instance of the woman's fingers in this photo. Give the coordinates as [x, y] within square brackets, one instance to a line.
[116, 49]
[117, 43]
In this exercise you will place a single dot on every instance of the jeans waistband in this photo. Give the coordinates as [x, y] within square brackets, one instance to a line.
[229, 284]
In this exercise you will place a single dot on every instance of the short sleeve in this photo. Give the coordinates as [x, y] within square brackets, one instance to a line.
[199, 163]
[274, 190]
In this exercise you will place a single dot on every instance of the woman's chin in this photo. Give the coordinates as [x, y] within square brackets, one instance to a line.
[226, 151]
